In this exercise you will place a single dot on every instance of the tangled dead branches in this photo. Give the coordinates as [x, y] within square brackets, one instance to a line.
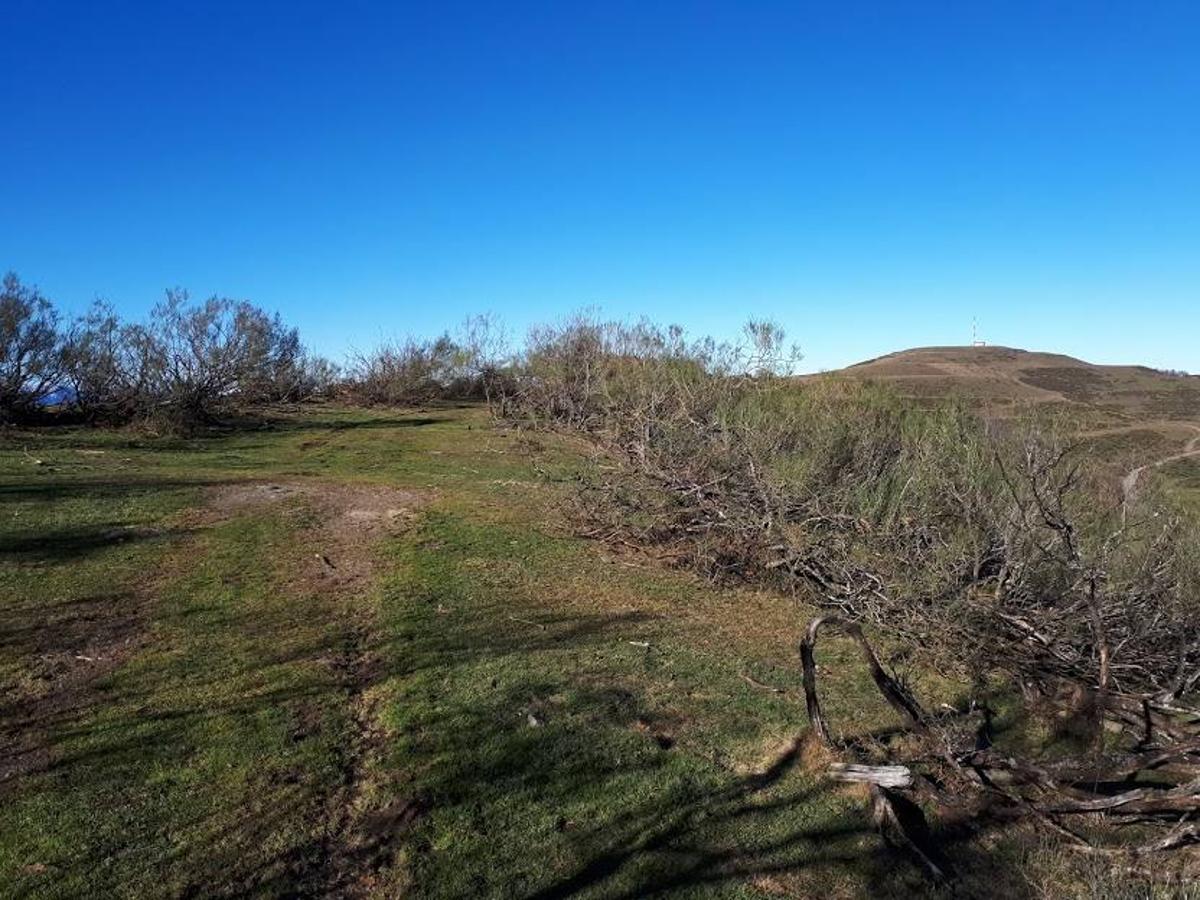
[1111, 786]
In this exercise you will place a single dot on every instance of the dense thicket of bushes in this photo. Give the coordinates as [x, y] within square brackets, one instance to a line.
[993, 544]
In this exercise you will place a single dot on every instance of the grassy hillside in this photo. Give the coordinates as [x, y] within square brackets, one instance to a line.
[361, 653]
[357, 653]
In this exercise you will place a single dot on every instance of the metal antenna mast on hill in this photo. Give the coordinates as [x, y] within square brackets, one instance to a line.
[975, 341]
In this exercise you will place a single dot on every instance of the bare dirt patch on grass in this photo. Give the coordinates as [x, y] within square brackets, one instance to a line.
[346, 520]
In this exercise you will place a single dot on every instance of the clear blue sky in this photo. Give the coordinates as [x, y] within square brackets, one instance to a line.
[870, 175]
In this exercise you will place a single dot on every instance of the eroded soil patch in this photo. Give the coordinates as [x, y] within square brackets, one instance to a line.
[346, 520]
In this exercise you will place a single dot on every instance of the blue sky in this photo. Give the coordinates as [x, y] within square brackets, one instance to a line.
[871, 176]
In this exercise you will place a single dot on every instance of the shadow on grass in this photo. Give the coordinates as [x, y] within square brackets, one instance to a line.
[60, 545]
[367, 424]
[286, 423]
[629, 815]
[108, 489]
[67, 624]
[42, 540]
[63, 434]
[65, 646]
[683, 826]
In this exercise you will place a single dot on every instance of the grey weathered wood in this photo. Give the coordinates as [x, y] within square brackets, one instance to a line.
[884, 776]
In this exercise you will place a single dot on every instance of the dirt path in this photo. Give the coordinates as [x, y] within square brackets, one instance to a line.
[347, 520]
[1191, 448]
[337, 552]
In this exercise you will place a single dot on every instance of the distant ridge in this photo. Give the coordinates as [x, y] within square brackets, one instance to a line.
[1006, 376]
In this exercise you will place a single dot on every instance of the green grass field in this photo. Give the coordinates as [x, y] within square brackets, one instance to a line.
[354, 653]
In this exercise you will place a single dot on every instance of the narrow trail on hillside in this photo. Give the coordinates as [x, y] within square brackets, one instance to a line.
[1130, 481]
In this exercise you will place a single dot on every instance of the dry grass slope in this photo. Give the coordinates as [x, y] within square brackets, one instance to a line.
[1003, 377]
[1132, 416]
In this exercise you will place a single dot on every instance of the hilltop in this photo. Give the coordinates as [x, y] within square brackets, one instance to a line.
[1006, 377]
[1132, 417]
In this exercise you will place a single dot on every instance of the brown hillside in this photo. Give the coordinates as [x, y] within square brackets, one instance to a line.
[1003, 377]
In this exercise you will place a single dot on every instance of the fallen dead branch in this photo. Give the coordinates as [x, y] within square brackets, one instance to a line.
[883, 776]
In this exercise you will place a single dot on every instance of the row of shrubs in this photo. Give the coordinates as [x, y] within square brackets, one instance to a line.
[193, 363]
[190, 363]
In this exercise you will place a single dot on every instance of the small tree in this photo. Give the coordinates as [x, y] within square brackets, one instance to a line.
[107, 365]
[484, 343]
[30, 348]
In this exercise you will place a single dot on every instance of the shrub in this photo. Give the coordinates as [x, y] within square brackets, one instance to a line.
[996, 553]
[107, 366]
[472, 366]
[994, 549]
[192, 364]
[407, 372]
[204, 360]
[316, 378]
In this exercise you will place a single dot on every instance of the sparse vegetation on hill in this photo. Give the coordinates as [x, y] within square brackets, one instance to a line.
[377, 633]
[1003, 381]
